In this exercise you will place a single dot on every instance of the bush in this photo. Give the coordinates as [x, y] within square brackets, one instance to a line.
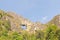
[50, 32]
[58, 34]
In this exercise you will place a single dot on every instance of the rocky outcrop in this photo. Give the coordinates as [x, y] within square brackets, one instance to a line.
[16, 21]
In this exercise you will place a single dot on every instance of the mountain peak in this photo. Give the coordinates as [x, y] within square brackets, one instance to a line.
[56, 20]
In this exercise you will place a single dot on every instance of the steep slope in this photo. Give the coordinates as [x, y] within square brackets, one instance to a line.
[16, 22]
[55, 21]
[19, 21]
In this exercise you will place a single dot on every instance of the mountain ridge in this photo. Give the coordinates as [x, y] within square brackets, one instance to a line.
[16, 22]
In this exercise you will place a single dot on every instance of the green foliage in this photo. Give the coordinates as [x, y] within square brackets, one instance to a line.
[33, 37]
[26, 36]
[58, 34]
[17, 36]
[7, 25]
[2, 14]
[50, 32]
[39, 35]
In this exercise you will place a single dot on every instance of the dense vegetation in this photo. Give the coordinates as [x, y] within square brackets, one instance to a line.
[51, 33]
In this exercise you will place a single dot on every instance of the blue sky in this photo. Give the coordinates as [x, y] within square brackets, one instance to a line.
[34, 10]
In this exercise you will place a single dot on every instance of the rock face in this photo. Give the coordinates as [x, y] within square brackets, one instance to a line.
[38, 26]
[56, 21]
[18, 21]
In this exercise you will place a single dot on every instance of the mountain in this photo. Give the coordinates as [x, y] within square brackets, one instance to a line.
[18, 23]
[13, 22]
[55, 21]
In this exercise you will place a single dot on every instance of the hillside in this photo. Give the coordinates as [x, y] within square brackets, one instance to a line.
[55, 21]
[15, 27]
[16, 22]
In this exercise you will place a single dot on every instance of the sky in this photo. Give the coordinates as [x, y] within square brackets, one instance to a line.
[34, 10]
